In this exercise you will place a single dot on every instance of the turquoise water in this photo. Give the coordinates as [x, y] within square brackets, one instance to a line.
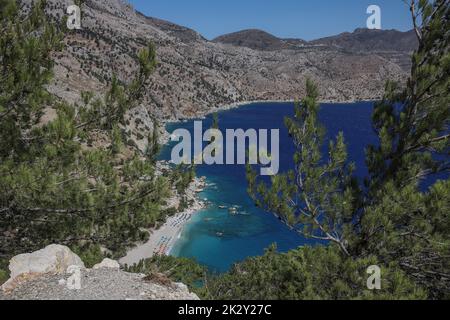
[218, 239]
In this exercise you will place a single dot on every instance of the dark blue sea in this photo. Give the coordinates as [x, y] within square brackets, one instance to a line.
[218, 239]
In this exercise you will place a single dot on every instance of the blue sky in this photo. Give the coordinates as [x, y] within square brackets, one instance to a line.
[306, 19]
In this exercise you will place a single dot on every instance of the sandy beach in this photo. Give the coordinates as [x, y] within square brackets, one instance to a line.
[163, 239]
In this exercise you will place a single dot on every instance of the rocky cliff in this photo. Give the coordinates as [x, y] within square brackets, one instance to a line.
[56, 273]
[196, 76]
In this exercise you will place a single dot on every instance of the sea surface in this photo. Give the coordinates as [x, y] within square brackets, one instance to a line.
[218, 239]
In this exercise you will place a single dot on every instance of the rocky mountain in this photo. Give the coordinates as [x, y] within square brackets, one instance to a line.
[365, 40]
[195, 76]
[259, 40]
[56, 273]
[393, 45]
[361, 40]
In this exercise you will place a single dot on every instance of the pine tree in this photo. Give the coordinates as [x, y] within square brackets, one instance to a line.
[153, 145]
[405, 220]
[54, 186]
[393, 216]
[316, 199]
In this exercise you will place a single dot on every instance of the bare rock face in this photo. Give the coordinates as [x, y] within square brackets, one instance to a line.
[56, 273]
[100, 284]
[107, 264]
[196, 76]
[54, 259]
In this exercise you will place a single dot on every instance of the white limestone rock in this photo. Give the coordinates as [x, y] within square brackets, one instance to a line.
[54, 259]
[107, 264]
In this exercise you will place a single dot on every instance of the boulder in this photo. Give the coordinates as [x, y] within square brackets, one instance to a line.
[107, 264]
[46, 275]
[54, 259]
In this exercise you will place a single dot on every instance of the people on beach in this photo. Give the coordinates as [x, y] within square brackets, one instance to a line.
[163, 246]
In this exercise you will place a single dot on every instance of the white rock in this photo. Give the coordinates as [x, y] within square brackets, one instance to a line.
[107, 264]
[182, 287]
[54, 259]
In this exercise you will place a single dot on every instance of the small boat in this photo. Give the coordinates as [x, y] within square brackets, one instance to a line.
[233, 209]
[219, 234]
[222, 207]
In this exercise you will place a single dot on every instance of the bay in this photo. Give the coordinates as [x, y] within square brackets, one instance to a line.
[218, 239]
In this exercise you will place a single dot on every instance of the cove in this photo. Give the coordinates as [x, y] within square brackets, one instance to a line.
[231, 228]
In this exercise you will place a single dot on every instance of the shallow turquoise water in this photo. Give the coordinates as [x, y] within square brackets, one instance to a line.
[218, 239]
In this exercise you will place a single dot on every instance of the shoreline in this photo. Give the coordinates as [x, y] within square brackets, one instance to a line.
[165, 136]
[235, 105]
[163, 239]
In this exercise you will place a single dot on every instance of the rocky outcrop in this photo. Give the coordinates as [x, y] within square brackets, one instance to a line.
[107, 264]
[56, 273]
[54, 259]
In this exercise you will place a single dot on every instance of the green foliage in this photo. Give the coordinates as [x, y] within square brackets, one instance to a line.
[116, 140]
[153, 146]
[390, 217]
[109, 111]
[412, 123]
[3, 276]
[402, 222]
[4, 273]
[182, 270]
[25, 56]
[182, 176]
[317, 198]
[90, 254]
[319, 273]
[54, 187]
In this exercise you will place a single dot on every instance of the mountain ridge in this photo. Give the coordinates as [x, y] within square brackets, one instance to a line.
[376, 40]
[196, 76]
[361, 39]
[258, 40]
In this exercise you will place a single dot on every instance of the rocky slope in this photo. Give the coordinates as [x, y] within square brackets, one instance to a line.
[47, 274]
[392, 45]
[395, 46]
[365, 40]
[196, 76]
[359, 41]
